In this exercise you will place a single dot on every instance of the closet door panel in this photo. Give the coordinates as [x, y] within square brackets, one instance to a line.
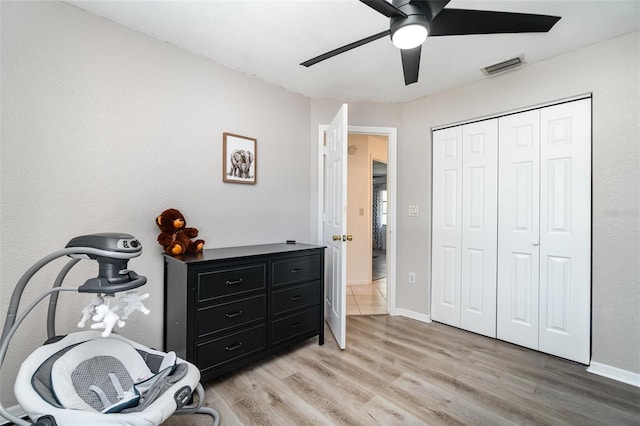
[446, 226]
[518, 228]
[565, 230]
[479, 227]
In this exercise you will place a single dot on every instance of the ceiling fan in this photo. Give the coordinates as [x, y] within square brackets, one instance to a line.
[411, 21]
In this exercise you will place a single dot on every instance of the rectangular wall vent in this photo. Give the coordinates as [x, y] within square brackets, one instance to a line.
[503, 66]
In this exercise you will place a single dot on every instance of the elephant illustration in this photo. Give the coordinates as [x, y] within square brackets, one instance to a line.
[247, 157]
[236, 162]
[241, 161]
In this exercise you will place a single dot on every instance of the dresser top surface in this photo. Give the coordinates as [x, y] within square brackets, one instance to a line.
[243, 251]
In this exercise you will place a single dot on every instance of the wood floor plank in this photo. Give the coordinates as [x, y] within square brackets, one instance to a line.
[398, 371]
[384, 412]
[321, 398]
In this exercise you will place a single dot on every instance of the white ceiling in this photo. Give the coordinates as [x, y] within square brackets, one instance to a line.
[268, 39]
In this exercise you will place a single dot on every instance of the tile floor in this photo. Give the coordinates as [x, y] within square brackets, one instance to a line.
[368, 299]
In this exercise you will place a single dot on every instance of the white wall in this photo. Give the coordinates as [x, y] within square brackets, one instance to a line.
[103, 128]
[609, 70]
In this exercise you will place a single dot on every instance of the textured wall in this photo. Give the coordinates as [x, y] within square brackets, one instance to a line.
[103, 128]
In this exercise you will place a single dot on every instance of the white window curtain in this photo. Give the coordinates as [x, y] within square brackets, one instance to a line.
[378, 231]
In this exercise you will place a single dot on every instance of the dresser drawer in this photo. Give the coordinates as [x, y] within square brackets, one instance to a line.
[230, 281]
[294, 297]
[212, 319]
[295, 270]
[224, 350]
[294, 325]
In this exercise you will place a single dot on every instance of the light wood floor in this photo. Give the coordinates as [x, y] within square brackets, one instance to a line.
[397, 371]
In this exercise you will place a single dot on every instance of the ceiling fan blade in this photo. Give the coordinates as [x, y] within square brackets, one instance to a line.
[343, 49]
[432, 7]
[463, 21]
[410, 64]
[384, 7]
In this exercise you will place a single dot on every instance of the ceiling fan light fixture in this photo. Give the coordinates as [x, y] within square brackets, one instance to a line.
[409, 32]
[409, 36]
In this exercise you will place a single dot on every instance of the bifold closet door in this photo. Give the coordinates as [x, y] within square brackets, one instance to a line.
[464, 226]
[446, 246]
[519, 228]
[565, 230]
[479, 227]
[544, 231]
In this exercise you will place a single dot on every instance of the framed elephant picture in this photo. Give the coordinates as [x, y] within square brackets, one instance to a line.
[239, 159]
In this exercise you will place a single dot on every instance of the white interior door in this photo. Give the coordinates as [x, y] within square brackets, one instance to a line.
[565, 230]
[518, 233]
[335, 224]
[446, 226]
[479, 227]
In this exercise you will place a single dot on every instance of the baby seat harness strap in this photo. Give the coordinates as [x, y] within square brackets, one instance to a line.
[126, 398]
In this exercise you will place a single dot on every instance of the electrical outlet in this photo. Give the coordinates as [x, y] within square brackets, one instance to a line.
[414, 211]
[412, 277]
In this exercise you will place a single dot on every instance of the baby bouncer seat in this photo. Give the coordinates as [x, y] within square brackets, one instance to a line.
[98, 377]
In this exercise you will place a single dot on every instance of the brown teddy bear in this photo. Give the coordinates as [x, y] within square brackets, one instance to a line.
[175, 237]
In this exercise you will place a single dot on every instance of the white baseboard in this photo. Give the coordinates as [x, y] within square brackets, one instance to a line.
[413, 315]
[16, 410]
[614, 373]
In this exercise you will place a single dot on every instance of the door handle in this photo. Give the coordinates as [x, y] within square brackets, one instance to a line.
[536, 244]
[347, 238]
[336, 237]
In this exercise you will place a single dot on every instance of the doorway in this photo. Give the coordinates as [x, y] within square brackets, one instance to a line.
[329, 183]
[366, 175]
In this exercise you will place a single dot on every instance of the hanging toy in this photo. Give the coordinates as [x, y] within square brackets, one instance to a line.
[133, 303]
[90, 310]
[106, 318]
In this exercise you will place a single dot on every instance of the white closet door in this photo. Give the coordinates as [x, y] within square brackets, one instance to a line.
[565, 230]
[479, 227]
[518, 228]
[446, 225]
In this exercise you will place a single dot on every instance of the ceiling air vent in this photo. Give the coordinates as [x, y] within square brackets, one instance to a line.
[503, 66]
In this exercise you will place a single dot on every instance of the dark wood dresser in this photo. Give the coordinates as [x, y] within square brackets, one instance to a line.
[228, 307]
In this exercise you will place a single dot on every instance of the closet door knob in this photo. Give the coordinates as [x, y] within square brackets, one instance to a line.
[536, 244]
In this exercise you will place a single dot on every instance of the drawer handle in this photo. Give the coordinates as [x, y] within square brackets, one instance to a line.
[296, 270]
[296, 324]
[233, 314]
[234, 282]
[295, 298]
[234, 347]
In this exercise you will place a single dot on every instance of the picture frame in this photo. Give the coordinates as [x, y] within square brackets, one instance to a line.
[239, 159]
